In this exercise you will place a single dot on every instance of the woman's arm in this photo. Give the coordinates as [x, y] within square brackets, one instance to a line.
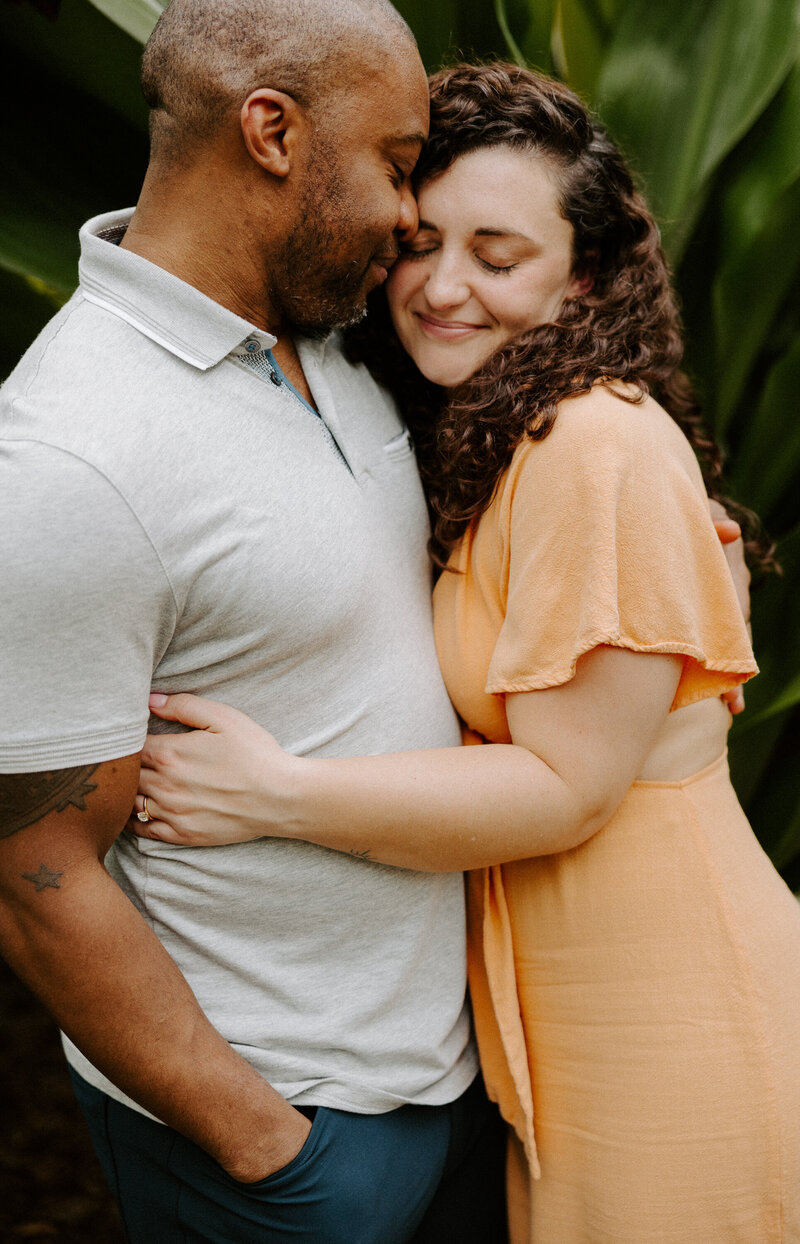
[576, 750]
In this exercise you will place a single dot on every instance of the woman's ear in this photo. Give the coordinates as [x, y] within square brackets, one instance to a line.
[272, 123]
[584, 274]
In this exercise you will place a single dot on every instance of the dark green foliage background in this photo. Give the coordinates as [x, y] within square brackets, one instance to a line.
[703, 95]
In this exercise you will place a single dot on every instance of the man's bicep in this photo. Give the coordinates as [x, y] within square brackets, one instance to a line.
[56, 821]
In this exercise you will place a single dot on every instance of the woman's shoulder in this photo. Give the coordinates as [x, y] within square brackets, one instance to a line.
[610, 438]
[612, 421]
[614, 407]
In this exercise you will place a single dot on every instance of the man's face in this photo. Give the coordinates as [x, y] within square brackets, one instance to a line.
[355, 200]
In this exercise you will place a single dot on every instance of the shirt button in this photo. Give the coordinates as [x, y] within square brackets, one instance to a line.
[275, 378]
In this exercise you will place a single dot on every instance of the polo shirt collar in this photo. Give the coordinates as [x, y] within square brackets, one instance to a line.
[160, 305]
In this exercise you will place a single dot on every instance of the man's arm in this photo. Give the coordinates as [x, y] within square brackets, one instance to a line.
[68, 931]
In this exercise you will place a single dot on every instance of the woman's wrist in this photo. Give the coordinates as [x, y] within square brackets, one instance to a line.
[283, 808]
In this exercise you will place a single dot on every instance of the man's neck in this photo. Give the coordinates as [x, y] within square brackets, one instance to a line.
[188, 226]
[206, 266]
[204, 248]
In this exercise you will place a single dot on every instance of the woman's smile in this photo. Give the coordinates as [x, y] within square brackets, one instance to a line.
[446, 330]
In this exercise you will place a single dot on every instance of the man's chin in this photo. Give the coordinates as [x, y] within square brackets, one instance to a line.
[318, 328]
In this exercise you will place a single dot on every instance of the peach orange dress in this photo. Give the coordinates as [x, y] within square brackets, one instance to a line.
[637, 998]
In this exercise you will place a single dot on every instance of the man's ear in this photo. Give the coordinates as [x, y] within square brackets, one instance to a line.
[272, 124]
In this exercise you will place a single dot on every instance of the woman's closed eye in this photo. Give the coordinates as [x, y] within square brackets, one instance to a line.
[495, 267]
[418, 248]
[421, 249]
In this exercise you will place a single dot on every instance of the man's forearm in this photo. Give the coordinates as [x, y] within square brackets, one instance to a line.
[73, 936]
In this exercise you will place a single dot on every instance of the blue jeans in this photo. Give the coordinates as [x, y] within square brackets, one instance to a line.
[417, 1175]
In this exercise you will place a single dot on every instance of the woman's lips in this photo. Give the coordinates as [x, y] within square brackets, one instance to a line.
[446, 330]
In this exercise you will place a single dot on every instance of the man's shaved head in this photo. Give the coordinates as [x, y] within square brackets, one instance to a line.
[205, 57]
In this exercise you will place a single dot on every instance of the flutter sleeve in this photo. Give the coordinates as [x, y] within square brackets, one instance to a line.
[606, 538]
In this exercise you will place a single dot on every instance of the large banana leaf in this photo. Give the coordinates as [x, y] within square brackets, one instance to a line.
[583, 31]
[768, 452]
[25, 306]
[77, 146]
[82, 49]
[681, 84]
[96, 164]
[759, 250]
[136, 17]
[528, 31]
[766, 162]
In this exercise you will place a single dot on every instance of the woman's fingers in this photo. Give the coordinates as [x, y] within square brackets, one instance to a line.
[157, 831]
[734, 700]
[728, 530]
[190, 710]
[153, 828]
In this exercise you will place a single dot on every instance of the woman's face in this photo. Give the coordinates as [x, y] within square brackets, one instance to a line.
[491, 260]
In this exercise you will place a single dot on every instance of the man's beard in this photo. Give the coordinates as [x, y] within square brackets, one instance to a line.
[313, 292]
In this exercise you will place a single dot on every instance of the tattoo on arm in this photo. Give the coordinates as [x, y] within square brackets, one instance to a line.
[26, 798]
[361, 855]
[43, 878]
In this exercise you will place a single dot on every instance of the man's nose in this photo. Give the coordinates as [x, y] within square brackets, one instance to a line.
[408, 217]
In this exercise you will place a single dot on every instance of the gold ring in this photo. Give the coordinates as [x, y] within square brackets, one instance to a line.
[144, 816]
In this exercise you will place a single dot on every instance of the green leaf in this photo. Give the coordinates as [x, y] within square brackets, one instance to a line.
[748, 292]
[583, 33]
[515, 51]
[82, 50]
[25, 308]
[682, 83]
[435, 27]
[136, 17]
[787, 699]
[768, 455]
[764, 164]
[787, 847]
[774, 806]
[538, 43]
[49, 189]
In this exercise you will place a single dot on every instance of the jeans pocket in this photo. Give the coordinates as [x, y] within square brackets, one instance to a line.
[296, 1164]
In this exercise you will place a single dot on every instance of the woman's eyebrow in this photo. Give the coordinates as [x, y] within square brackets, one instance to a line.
[488, 232]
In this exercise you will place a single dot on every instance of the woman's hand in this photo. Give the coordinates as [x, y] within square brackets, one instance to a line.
[227, 781]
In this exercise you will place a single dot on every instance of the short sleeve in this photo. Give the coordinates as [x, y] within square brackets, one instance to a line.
[607, 539]
[85, 611]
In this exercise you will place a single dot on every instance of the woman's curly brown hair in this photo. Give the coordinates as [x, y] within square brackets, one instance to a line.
[626, 328]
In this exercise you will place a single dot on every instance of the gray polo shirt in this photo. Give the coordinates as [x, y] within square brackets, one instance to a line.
[173, 514]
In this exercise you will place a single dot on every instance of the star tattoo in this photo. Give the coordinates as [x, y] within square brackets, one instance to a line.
[44, 878]
[26, 798]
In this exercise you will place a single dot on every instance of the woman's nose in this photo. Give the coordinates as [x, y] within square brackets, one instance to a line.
[446, 285]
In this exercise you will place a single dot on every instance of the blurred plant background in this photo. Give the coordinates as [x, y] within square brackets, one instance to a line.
[704, 97]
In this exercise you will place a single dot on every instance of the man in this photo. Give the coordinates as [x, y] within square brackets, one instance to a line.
[269, 1041]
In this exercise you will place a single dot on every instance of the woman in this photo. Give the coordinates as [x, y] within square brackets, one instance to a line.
[634, 971]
